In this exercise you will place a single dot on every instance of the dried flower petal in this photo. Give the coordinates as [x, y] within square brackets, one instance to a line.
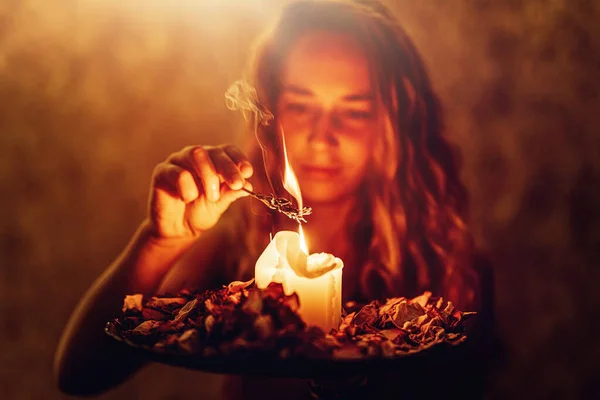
[366, 316]
[185, 310]
[439, 303]
[166, 302]
[151, 313]
[147, 327]
[210, 307]
[235, 298]
[238, 286]
[188, 340]
[133, 303]
[209, 322]
[423, 299]
[263, 325]
[392, 334]
[405, 312]
[254, 303]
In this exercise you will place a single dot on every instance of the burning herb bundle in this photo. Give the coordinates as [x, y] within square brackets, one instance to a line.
[282, 205]
[243, 97]
[241, 319]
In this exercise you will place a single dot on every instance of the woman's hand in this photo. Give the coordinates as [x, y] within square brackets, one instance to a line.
[194, 187]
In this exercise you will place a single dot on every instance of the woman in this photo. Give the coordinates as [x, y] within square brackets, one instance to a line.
[363, 132]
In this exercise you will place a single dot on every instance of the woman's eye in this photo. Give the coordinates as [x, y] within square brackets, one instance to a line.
[297, 108]
[358, 114]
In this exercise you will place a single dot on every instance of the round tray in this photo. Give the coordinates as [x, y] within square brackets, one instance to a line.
[258, 364]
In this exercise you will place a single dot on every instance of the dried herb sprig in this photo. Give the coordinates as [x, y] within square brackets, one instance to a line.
[282, 205]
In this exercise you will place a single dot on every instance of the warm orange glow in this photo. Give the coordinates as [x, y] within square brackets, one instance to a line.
[290, 183]
[303, 244]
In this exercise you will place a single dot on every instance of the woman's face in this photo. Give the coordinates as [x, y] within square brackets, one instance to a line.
[327, 112]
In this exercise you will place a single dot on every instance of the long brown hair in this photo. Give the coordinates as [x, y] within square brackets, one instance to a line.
[411, 223]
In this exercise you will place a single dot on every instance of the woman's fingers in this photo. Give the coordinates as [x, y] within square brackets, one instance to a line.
[207, 173]
[240, 160]
[195, 160]
[228, 195]
[209, 167]
[226, 168]
[187, 186]
[194, 186]
[178, 182]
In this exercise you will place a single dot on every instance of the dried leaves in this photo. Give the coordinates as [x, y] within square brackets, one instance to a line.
[234, 318]
[401, 326]
[241, 319]
[132, 303]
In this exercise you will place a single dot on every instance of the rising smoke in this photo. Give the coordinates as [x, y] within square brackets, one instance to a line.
[243, 97]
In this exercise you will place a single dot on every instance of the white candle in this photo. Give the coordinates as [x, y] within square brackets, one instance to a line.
[316, 278]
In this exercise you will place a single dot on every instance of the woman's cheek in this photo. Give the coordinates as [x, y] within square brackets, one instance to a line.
[357, 154]
[360, 145]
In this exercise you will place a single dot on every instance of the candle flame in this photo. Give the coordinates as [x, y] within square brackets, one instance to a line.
[290, 183]
[303, 245]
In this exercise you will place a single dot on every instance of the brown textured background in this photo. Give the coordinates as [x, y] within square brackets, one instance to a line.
[94, 93]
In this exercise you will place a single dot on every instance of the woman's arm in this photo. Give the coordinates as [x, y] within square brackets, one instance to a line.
[87, 360]
[190, 191]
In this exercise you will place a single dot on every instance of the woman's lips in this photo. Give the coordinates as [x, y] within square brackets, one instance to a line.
[320, 173]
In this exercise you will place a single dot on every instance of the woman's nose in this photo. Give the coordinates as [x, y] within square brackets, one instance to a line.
[323, 129]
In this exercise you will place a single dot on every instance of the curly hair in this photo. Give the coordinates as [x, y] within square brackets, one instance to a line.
[410, 225]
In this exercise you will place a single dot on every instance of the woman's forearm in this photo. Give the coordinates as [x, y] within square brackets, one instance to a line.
[87, 361]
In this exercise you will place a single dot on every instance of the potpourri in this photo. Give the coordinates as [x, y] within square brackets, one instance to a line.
[241, 319]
